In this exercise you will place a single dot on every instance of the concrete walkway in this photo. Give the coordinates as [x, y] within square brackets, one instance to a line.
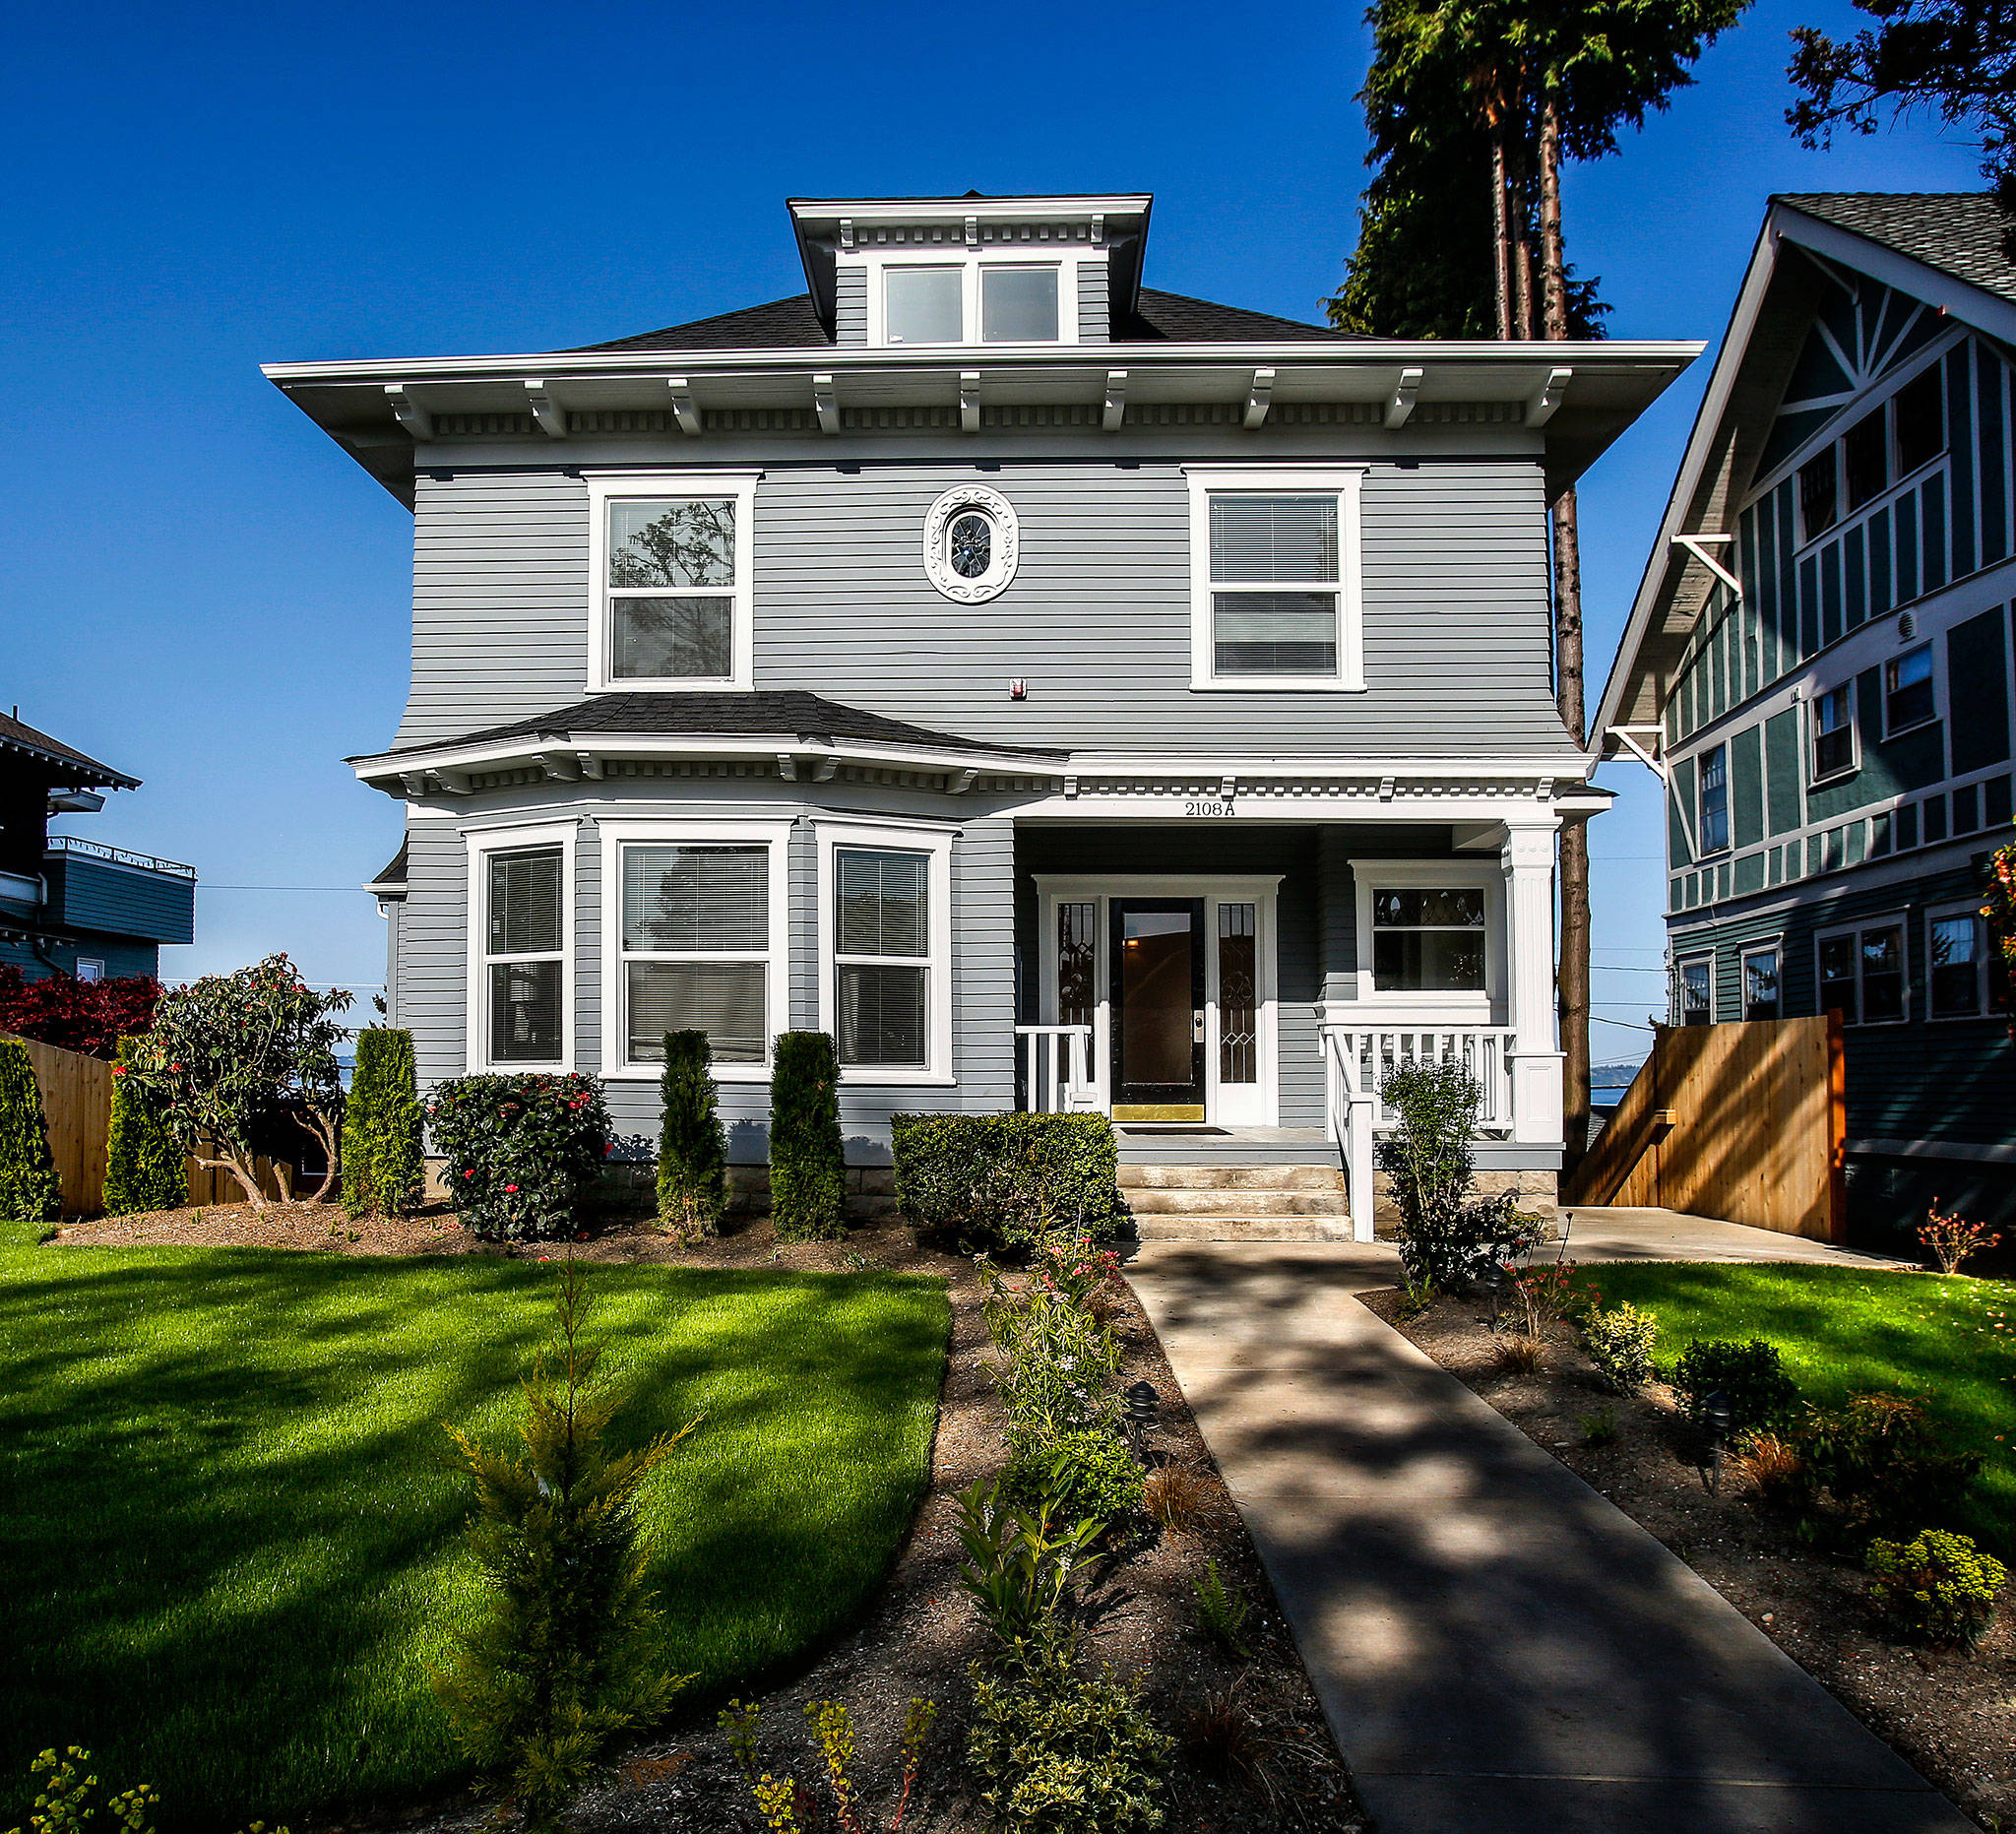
[1498, 1648]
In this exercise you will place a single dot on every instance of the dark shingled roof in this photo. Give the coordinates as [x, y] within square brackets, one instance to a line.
[73, 767]
[1958, 232]
[392, 873]
[793, 325]
[781, 713]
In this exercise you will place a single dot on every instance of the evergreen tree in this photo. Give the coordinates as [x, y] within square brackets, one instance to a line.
[692, 1144]
[30, 1189]
[145, 1166]
[567, 1655]
[807, 1159]
[384, 1168]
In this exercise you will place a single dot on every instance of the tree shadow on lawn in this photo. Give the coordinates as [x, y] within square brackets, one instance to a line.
[234, 1520]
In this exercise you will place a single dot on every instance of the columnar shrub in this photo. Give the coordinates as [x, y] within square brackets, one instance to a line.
[692, 1145]
[807, 1157]
[1750, 1377]
[1448, 1236]
[30, 1190]
[384, 1163]
[1936, 1588]
[1003, 1182]
[520, 1150]
[1619, 1341]
[145, 1167]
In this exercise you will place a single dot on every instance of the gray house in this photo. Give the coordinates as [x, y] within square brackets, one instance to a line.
[1066, 694]
[1818, 664]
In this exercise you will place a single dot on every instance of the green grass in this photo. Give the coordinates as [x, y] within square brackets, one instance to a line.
[1949, 1343]
[232, 1533]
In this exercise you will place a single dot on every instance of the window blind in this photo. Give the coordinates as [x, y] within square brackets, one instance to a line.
[699, 899]
[524, 903]
[1274, 633]
[883, 904]
[661, 638]
[725, 1000]
[524, 1012]
[1267, 538]
[881, 1015]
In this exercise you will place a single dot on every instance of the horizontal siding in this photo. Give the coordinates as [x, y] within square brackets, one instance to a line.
[851, 303]
[122, 901]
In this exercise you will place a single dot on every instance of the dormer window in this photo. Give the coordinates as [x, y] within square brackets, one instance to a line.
[924, 305]
[1018, 305]
[988, 298]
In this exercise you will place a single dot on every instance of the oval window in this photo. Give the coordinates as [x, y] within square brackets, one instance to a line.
[970, 545]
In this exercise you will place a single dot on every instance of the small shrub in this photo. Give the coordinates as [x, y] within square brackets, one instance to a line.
[1521, 1354]
[1021, 1566]
[31, 1191]
[1619, 1340]
[1002, 1182]
[1950, 1240]
[1936, 1588]
[1060, 1365]
[145, 1167]
[692, 1144]
[89, 1016]
[64, 1805]
[784, 1804]
[807, 1157]
[568, 1655]
[1221, 1611]
[1058, 1752]
[1875, 1468]
[383, 1157]
[1599, 1426]
[1176, 1495]
[1749, 1376]
[1090, 1470]
[520, 1150]
[1448, 1236]
[1771, 1463]
[1547, 1294]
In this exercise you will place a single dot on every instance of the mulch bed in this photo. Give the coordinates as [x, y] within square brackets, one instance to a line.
[1953, 1716]
[923, 1632]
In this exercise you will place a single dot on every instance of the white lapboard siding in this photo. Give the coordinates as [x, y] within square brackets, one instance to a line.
[1095, 322]
[1097, 620]
[851, 303]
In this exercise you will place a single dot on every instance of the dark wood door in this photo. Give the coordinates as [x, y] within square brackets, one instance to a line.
[1158, 999]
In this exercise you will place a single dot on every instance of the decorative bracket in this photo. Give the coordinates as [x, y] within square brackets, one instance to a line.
[1098, 229]
[1228, 787]
[1543, 406]
[846, 233]
[1115, 414]
[1385, 789]
[787, 767]
[1258, 392]
[548, 412]
[561, 766]
[969, 401]
[960, 781]
[1400, 408]
[409, 413]
[683, 409]
[1699, 546]
[827, 403]
[824, 771]
[1629, 738]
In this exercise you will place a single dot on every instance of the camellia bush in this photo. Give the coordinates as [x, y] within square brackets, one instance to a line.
[89, 1017]
[520, 1150]
[227, 1052]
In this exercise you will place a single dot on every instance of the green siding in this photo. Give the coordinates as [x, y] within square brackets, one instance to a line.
[1781, 768]
[1681, 797]
[1976, 671]
[1747, 785]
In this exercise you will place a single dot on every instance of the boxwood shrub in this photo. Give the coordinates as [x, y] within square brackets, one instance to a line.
[520, 1149]
[999, 1181]
[807, 1156]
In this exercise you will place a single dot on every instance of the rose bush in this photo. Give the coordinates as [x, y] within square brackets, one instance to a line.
[519, 1150]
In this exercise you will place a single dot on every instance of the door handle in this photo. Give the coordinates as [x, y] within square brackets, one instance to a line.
[1196, 1027]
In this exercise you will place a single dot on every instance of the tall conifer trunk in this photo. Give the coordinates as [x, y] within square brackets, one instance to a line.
[1574, 974]
[1501, 227]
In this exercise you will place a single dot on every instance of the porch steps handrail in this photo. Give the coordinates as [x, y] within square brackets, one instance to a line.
[1056, 1068]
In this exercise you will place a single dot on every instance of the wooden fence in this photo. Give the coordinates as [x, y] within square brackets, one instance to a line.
[77, 1109]
[1746, 1122]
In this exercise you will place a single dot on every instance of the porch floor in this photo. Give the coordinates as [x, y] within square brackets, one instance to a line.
[1146, 1143]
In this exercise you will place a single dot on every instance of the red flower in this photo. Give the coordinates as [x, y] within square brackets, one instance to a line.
[470, 1173]
[511, 1188]
[118, 1069]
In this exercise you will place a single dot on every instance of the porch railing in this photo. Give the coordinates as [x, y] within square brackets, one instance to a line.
[1357, 1059]
[1056, 1067]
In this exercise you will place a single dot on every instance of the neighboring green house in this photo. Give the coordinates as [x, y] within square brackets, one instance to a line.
[72, 907]
[1818, 662]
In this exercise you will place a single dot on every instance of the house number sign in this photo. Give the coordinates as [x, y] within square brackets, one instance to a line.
[1209, 810]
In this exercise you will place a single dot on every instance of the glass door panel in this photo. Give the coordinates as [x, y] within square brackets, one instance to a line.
[1157, 998]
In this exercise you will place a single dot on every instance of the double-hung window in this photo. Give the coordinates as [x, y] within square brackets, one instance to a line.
[695, 935]
[1863, 974]
[1695, 990]
[1428, 939]
[1715, 800]
[519, 989]
[1962, 976]
[670, 559]
[1762, 996]
[1834, 732]
[1919, 414]
[1908, 692]
[886, 940]
[1275, 587]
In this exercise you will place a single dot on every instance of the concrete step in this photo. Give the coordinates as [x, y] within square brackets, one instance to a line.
[1241, 1228]
[1234, 1203]
[1184, 1177]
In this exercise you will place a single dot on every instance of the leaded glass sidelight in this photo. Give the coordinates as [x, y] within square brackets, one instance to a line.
[1076, 963]
[1238, 993]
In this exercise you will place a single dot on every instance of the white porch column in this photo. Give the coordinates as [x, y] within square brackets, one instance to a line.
[1528, 859]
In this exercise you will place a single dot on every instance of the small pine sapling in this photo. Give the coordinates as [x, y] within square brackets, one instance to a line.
[567, 1657]
[692, 1144]
[145, 1167]
[31, 1191]
[807, 1157]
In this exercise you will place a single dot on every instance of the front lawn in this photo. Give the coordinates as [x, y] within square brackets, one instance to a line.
[230, 1535]
[1845, 1330]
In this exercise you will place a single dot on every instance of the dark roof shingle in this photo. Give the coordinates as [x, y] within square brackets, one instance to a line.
[75, 768]
[1958, 232]
[782, 324]
[777, 713]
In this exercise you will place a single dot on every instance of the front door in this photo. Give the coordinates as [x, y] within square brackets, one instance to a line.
[1158, 1008]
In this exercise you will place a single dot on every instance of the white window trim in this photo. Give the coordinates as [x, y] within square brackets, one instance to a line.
[91, 962]
[893, 837]
[1483, 1008]
[1702, 851]
[1815, 781]
[1681, 963]
[606, 488]
[1762, 945]
[482, 843]
[1932, 645]
[1260, 889]
[1344, 481]
[1983, 966]
[1884, 919]
[692, 831]
[970, 261]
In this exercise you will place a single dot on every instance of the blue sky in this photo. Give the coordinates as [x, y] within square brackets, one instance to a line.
[206, 593]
